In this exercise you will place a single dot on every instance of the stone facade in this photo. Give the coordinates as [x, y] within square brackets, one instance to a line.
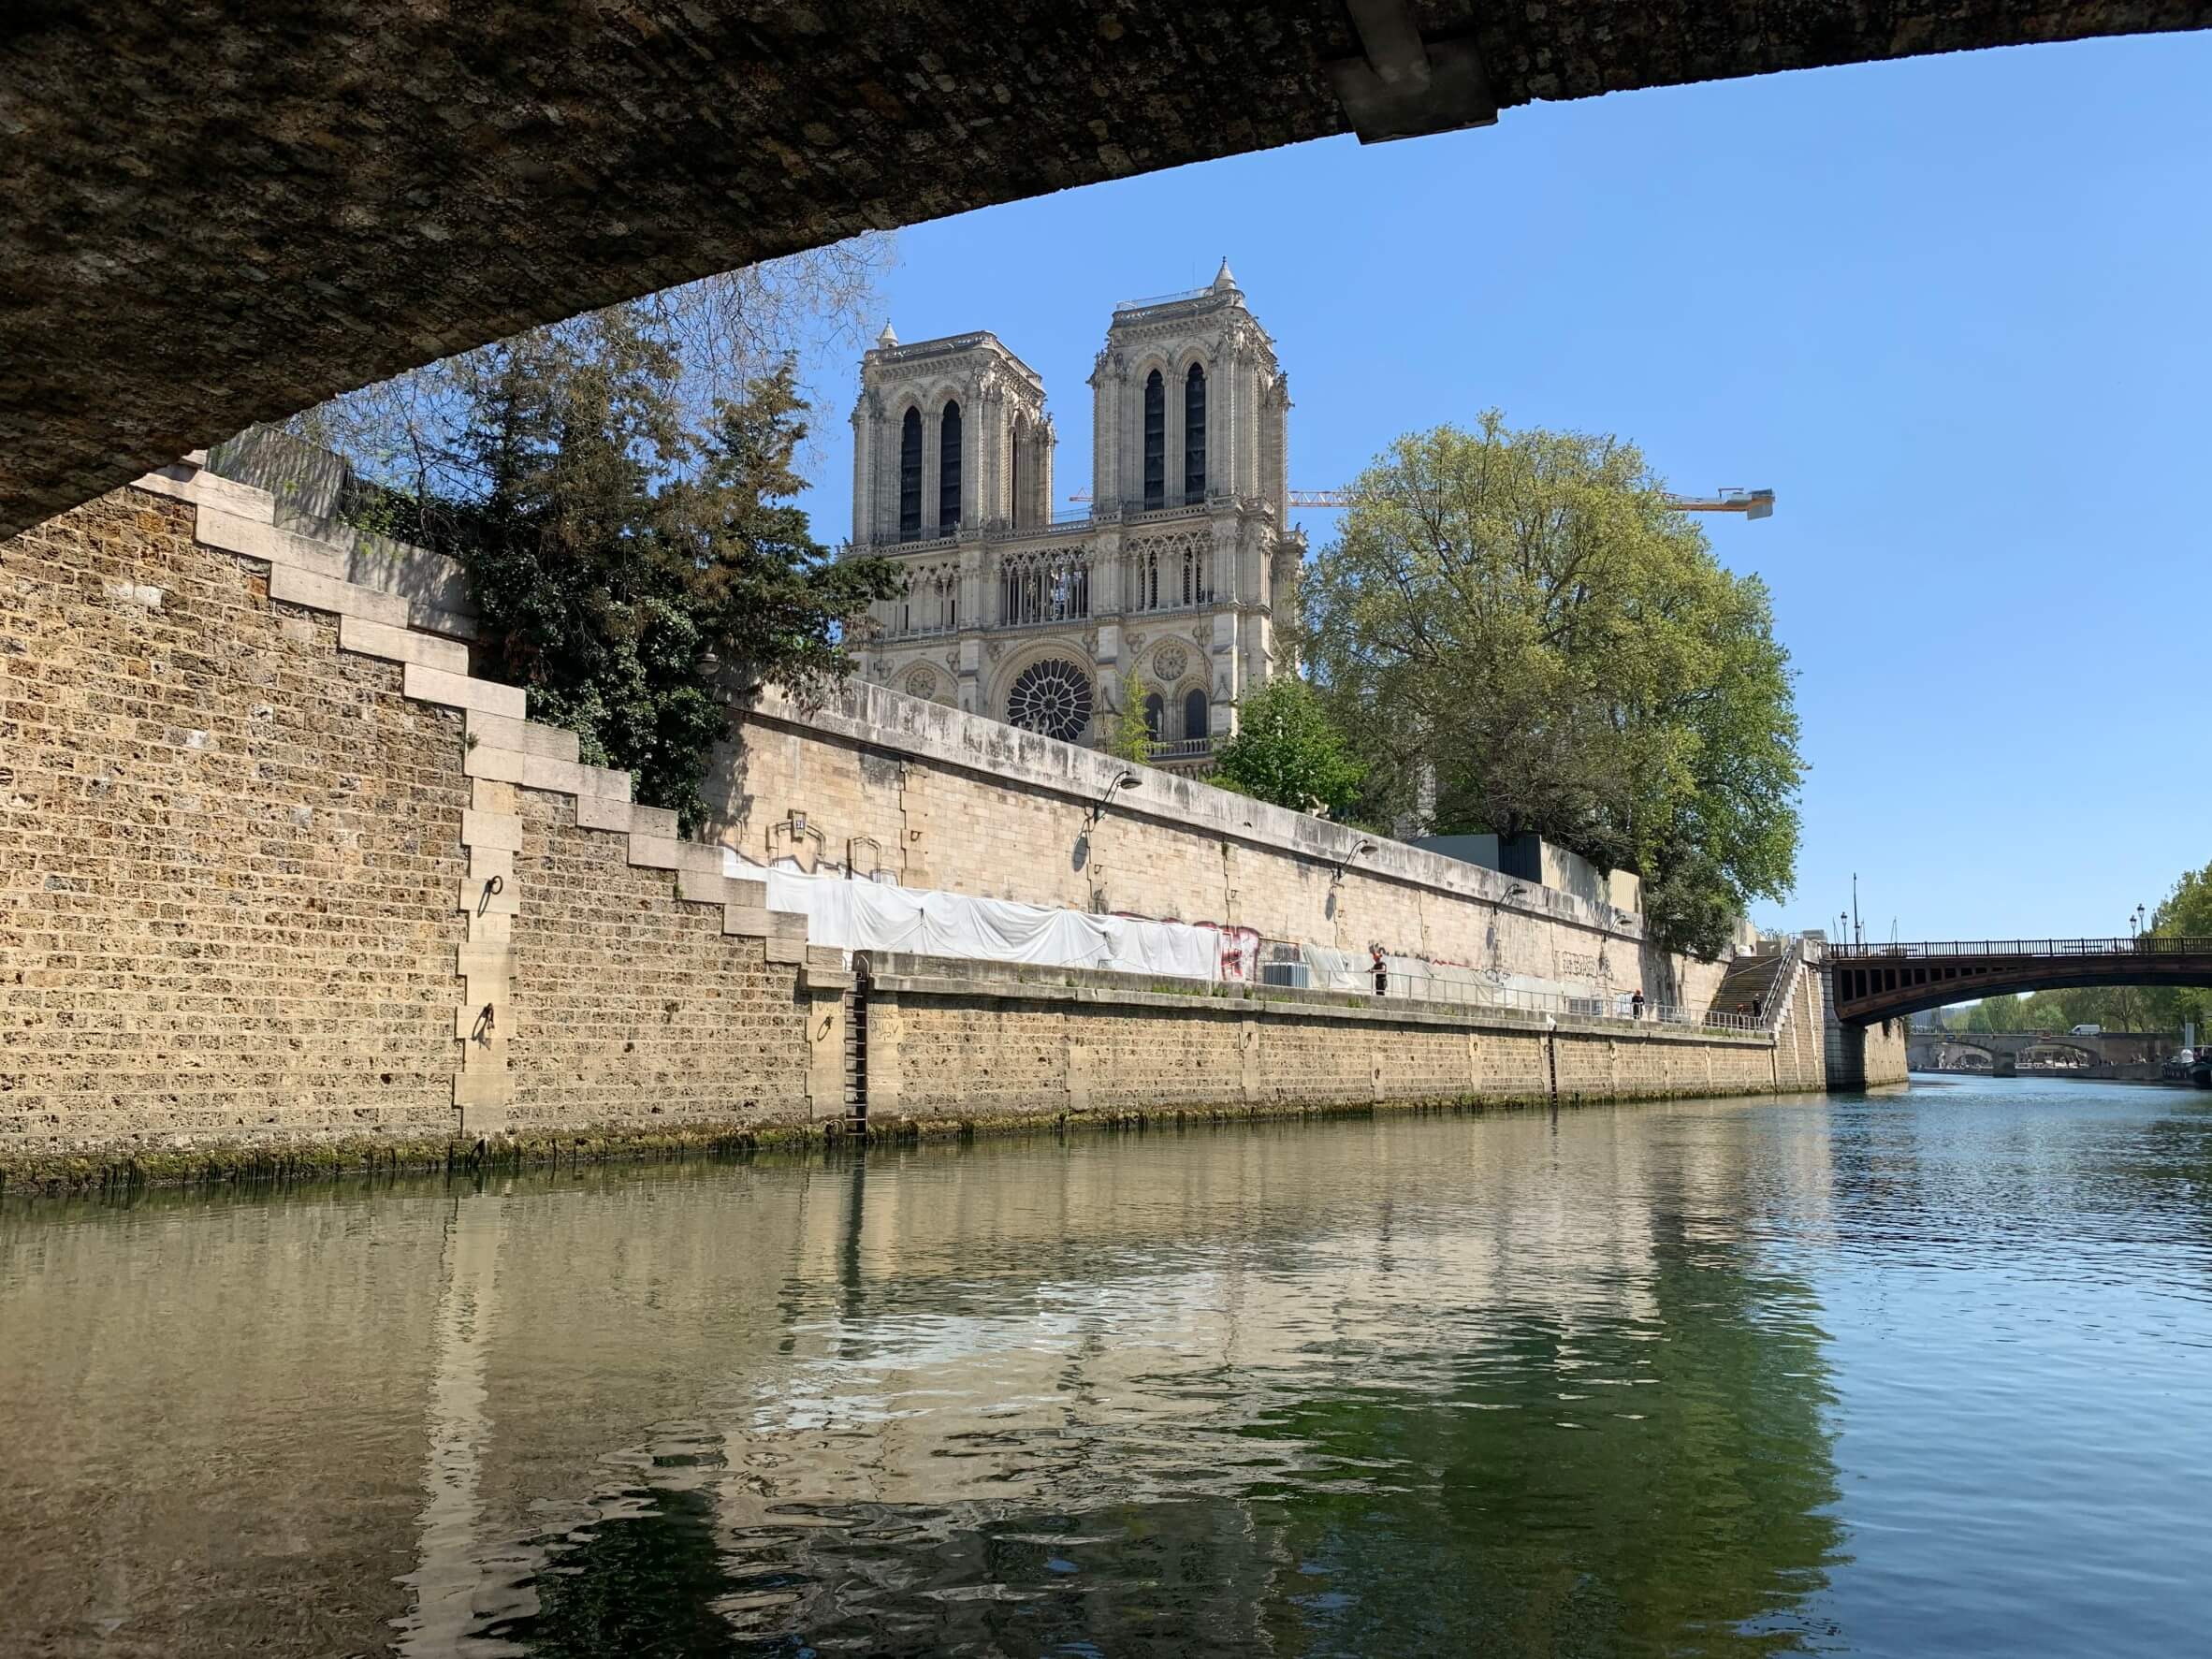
[229, 851]
[281, 869]
[1171, 578]
[631, 1011]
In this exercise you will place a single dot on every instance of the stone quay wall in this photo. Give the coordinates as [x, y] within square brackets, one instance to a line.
[879, 782]
[963, 1040]
[279, 869]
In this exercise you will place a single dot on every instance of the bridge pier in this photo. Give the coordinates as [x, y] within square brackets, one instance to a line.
[1860, 1057]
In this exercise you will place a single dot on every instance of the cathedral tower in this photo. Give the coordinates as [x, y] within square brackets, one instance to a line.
[947, 433]
[1161, 598]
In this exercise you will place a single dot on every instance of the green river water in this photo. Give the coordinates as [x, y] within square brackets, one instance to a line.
[1928, 1373]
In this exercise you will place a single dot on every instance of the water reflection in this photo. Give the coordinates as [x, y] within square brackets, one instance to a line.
[1503, 1385]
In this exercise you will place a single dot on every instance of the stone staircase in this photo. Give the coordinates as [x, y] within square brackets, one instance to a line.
[1762, 980]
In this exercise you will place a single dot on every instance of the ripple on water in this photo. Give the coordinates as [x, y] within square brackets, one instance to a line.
[1877, 1377]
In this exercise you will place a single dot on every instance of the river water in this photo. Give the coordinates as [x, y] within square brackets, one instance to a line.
[1928, 1372]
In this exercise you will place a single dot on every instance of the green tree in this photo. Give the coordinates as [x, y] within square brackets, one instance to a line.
[635, 573]
[2186, 913]
[1130, 737]
[1520, 636]
[1288, 751]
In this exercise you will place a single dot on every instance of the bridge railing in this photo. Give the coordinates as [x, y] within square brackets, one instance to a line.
[2145, 944]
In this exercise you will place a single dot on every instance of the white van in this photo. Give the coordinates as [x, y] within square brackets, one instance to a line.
[2088, 1031]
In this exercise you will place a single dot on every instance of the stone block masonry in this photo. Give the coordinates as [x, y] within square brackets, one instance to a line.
[279, 869]
[964, 1040]
[282, 872]
[882, 783]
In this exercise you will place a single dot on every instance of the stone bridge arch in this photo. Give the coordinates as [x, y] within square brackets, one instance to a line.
[227, 220]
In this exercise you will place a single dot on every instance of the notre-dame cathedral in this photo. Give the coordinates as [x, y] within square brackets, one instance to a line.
[1168, 580]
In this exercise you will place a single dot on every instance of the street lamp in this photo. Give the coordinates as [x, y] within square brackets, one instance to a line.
[1126, 780]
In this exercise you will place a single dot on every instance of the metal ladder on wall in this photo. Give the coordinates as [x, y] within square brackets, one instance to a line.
[856, 1048]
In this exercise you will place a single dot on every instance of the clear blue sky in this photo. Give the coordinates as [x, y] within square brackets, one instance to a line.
[1953, 311]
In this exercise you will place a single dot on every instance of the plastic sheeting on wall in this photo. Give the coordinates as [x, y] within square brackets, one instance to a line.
[874, 916]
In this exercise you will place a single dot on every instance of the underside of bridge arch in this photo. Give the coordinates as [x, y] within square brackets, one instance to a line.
[1867, 992]
[225, 210]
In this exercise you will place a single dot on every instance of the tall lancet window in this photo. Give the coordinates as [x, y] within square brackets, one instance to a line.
[1194, 435]
[1155, 440]
[910, 476]
[947, 471]
[1198, 720]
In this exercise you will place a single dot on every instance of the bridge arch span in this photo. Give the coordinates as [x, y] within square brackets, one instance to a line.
[1882, 982]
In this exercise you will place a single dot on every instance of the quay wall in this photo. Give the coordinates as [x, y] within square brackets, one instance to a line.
[279, 868]
[878, 782]
[958, 1040]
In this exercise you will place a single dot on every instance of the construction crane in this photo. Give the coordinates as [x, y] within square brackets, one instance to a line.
[1752, 503]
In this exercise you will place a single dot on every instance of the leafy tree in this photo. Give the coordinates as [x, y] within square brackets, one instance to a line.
[633, 574]
[1130, 737]
[2184, 913]
[1288, 751]
[1521, 636]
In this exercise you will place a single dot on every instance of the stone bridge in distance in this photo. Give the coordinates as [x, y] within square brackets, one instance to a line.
[1924, 1052]
[226, 216]
[1883, 982]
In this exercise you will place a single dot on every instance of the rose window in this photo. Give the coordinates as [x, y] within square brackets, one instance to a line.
[1053, 697]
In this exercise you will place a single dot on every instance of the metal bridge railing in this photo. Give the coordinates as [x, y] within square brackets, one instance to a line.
[2147, 944]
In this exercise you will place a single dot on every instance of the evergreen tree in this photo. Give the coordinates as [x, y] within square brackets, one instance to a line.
[633, 575]
[1130, 737]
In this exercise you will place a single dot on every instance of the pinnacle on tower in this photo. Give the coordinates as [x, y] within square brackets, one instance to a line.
[1223, 280]
[886, 339]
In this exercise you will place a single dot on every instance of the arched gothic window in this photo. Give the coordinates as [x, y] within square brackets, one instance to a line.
[1018, 471]
[1171, 573]
[947, 471]
[1043, 587]
[1155, 440]
[1196, 716]
[932, 603]
[1194, 435]
[910, 476]
[1155, 714]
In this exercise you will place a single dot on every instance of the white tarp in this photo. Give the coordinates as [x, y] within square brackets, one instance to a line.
[874, 916]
